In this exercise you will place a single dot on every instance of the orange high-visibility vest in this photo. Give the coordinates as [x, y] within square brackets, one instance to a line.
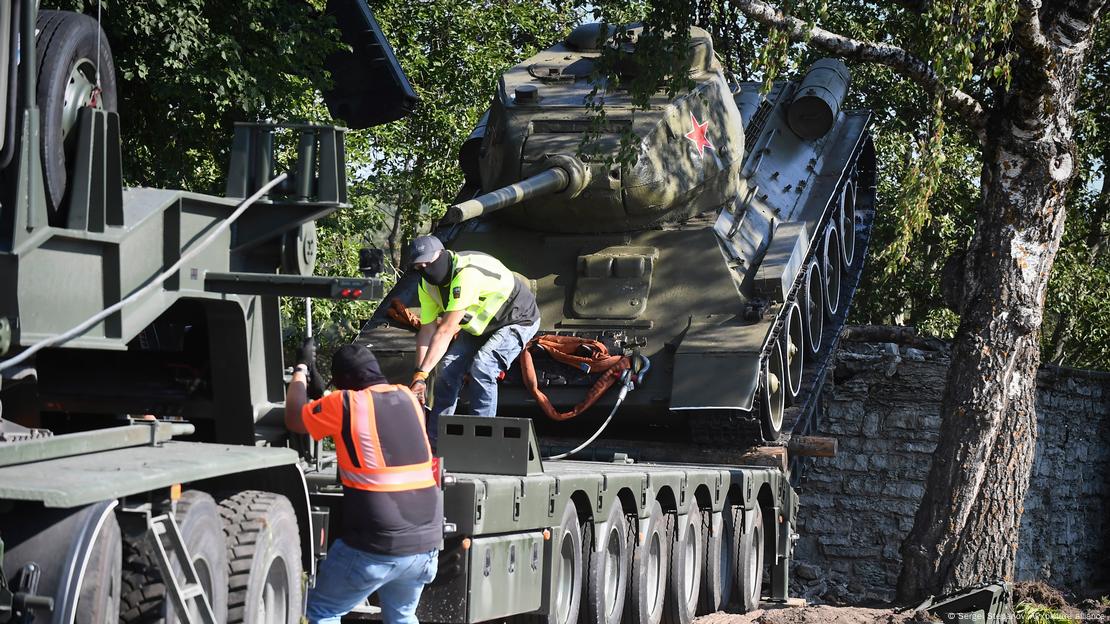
[350, 417]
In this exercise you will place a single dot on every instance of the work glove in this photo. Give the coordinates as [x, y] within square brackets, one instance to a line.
[419, 387]
[307, 355]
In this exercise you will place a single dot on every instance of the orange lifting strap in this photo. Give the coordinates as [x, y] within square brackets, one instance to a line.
[406, 317]
[562, 349]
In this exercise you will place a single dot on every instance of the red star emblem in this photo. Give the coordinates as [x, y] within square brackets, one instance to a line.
[697, 135]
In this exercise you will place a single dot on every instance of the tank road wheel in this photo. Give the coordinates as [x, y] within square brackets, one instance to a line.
[830, 271]
[772, 395]
[144, 591]
[717, 581]
[793, 351]
[566, 595]
[650, 562]
[847, 214]
[264, 552]
[749, 559]
[687, 565]
[813, 308]
[607, 570]
[67, 48]
[99, 599]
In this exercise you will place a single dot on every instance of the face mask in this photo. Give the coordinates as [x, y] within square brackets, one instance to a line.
[438, 272]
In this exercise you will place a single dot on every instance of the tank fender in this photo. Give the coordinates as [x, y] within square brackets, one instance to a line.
[783, 261]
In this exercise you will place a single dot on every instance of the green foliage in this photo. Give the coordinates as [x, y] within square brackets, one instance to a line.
[188, 69]
[1033, 613]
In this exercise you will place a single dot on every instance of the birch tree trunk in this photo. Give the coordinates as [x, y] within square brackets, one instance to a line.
[966, 529]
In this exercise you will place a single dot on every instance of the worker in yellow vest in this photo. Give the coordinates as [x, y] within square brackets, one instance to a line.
[493, 312]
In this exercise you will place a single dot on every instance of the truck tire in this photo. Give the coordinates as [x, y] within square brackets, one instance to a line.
[687, 563]
[749, 559]
[145, 600]
[717, 581]
[566, 596]
[99, 598]
[607, 570]
[650, 563]
[67, 46]
[264, 557]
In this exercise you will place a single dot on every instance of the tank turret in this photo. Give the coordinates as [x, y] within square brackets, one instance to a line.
[687, 162]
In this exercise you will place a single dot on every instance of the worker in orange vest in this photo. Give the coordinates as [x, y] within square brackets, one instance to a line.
[392, 507]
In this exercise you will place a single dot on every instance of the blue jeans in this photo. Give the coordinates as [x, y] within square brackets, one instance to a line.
[484, 358]
[348, 576]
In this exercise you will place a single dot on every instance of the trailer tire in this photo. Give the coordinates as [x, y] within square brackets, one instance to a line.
[607, 570]
[264, 557]
[717, 581]
[650, 564]
[566, 597]
[749, 559]
[687, 566]
[99, 599]
[145, 600]
[67, 48]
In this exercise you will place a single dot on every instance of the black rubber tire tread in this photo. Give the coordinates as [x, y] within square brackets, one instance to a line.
[681, 603]
[597, 570]
[63, 37]
[749, 543]
[259, 526]
[144, 598]
[98, 601]
[637, 610]
[717, 579]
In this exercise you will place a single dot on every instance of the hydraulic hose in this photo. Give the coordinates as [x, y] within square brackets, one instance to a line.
[155, 283]
[628, 382]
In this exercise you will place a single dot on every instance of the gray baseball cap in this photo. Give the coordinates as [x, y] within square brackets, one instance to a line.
[424, 249]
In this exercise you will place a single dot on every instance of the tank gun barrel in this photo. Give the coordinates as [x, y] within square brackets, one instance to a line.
[547, 182]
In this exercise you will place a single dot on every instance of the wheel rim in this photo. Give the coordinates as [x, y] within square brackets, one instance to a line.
[831, 271]
[654, 571]
[566, 578]
[79, 93]
[726, 559]
[752, 565]
[612, 571]
[689, 567]
[774, 389]
[792, 348]
[814, 304]
[273, 604]
[848, 224]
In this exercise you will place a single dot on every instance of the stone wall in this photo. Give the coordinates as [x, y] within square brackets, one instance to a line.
[883, 406]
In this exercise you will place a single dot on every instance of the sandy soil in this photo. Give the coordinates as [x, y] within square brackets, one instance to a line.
[818, 614]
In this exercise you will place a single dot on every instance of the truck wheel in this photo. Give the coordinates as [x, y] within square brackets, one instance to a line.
[566, 596]
[650, 562]
[607, 570]
[716, 585]
[264, 556]
[749, 559]
[99, 598]
[145, 599]
[67, 48]
[687, 562]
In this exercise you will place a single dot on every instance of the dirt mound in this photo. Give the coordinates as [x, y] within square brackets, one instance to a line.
[818, 614]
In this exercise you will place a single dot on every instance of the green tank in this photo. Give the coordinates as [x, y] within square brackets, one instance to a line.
[725, 252]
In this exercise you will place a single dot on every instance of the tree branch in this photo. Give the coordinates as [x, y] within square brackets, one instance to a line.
[894, 57]
[1030, 36]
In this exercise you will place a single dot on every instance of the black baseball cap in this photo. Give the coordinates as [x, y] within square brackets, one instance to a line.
[424, 249]
[354, 367]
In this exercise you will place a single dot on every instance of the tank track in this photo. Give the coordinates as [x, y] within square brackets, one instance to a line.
[737, 429]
